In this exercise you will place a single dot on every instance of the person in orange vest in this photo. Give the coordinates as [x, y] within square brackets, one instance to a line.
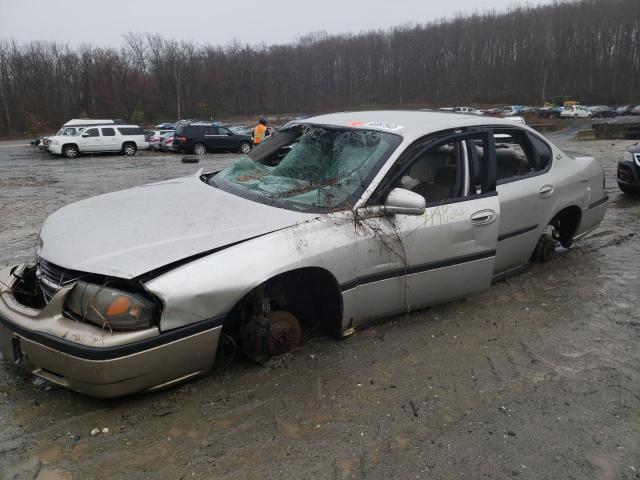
[259, 132]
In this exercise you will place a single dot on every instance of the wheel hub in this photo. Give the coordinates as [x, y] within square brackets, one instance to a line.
[284, 334]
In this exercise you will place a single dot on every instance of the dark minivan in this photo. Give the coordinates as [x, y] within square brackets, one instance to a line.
[202, 137]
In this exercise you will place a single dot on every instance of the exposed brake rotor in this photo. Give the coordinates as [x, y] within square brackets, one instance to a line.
[284, 334]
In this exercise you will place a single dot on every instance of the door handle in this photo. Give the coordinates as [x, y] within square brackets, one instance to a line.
[483, 217]
[546, 191]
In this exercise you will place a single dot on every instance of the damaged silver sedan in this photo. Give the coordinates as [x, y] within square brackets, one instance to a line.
[336, 221]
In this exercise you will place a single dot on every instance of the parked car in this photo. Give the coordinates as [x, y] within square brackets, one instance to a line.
[575, 111]
[550, 112]
[240, 129]
[530, 110]
[493, 111]
[155, 140]
[467, 110]
[41, 142]
[368, 214]
[635, 110]
[624, 110]
[74, 141]
[201, 137]
[516, 119]
[602, 111]
[166, 126]
[167, 143]
[629, 170]
[511, 110]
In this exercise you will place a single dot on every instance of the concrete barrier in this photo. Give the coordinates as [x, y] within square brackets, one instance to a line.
[586, 134]
[618, 129]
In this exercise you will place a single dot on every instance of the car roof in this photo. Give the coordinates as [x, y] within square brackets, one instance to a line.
[81, 122]
[409, 124]
[113, 125]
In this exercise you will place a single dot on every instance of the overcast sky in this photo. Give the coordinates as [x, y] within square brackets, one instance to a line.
[217, 21]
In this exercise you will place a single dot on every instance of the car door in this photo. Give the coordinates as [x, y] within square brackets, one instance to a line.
[213, 138]
[90, 140]
[445, 253]
[525, 192]
[110, 141]
[227, 139]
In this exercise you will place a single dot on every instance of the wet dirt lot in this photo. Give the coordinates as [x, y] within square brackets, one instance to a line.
[537, 378]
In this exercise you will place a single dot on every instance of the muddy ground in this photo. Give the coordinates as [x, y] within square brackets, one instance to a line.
[538, 378]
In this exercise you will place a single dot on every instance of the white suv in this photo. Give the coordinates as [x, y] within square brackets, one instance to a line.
[72, 141]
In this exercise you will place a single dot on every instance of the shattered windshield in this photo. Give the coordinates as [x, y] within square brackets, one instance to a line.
[309, 167]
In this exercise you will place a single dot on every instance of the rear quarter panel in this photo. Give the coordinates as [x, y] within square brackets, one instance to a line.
[578, 182]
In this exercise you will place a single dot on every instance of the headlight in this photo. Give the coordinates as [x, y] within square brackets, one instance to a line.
[109, 308]
[627, 157]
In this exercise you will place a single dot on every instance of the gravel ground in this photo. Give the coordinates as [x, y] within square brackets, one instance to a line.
[537, 378]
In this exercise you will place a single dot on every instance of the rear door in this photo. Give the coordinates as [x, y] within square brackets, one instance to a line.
[213, 138]
[110, 141]
[449, 251]
[228, 139]
[526, 194]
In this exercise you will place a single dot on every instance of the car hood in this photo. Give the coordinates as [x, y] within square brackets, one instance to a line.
[131, 232]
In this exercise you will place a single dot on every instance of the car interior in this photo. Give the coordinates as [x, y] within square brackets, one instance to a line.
[511, 158]
[435, 174]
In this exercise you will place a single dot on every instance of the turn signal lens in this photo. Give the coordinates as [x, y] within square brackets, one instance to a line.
[119, 306]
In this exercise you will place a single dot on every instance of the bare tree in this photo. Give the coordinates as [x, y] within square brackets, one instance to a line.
[589, 49]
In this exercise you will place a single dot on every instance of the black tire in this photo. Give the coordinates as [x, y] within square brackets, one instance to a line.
[199, 149]
[245, 147]
[70, 151]
[628, 190]
[129, 149]
[545, 250]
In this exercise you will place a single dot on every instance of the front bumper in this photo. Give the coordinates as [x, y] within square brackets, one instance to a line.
[56, 149]
[628, 174]
[90, 360]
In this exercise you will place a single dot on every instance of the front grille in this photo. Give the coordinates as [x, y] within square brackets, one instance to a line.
[52, 277]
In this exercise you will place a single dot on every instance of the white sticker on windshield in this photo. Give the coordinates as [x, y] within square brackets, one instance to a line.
[384, 126]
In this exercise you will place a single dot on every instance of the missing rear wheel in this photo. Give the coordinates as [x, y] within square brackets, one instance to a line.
[545, 250]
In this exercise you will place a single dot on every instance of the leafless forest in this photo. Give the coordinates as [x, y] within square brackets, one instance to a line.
[589, 49]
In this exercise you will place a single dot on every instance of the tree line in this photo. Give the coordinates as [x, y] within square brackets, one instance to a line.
[589, 49]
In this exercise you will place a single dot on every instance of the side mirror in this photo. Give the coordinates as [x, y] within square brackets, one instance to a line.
[85, 135]
[405, 202]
